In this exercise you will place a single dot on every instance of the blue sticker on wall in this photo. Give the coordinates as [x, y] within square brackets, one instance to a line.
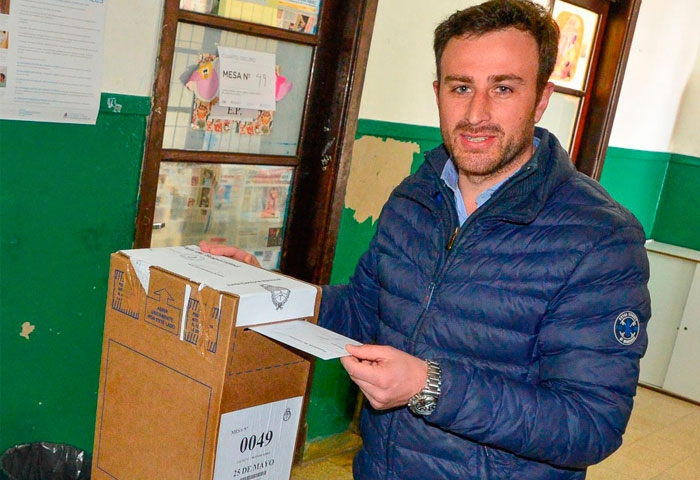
[626, 328]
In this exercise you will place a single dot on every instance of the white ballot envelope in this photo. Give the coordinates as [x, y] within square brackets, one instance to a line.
[307, 337]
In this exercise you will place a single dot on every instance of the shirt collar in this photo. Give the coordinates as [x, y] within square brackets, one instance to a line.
[450, 176]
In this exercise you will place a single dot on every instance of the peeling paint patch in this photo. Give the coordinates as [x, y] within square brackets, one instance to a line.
[27, 329]
[377, 167]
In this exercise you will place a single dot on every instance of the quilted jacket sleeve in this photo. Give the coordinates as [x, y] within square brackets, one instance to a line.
[351, 310]
[574, 415]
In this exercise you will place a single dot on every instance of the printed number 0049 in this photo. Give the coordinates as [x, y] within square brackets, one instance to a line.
[253, 441]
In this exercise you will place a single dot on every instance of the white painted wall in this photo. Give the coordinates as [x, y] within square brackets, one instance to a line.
[664, 52]
[401, 67]
[132, 37]
[685, 138]
[659, 105]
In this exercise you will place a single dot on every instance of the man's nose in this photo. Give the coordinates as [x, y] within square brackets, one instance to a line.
[479, 108]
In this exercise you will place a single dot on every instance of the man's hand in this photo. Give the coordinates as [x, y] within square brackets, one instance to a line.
[388, 377]
[229, 251]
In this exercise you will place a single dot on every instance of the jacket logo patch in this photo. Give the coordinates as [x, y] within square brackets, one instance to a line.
[626, 328]
[280, 295]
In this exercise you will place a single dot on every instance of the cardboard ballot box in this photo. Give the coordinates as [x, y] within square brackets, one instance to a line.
[186, 390]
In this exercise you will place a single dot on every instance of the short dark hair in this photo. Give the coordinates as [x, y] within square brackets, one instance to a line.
[497, 15]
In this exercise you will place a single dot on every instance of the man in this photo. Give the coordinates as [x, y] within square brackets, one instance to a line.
[503, 299]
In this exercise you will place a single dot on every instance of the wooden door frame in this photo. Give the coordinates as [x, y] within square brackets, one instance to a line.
[315, 210]
[605, 89]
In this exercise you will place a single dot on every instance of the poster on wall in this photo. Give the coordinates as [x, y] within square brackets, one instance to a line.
[51, 60]
[577, 27]
[4, 43]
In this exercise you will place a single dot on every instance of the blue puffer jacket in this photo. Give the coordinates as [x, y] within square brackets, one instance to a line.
[537, 316]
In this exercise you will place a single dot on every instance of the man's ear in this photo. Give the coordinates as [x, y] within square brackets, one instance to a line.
[544, 101]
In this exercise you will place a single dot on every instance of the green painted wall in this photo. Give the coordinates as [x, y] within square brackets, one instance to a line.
[678, 217]
[635, 179]
[68, 196]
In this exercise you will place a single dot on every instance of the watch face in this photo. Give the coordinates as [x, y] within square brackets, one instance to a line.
[422, 404]
[425, 401]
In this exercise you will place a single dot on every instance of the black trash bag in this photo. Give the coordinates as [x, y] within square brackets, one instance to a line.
[45, 461]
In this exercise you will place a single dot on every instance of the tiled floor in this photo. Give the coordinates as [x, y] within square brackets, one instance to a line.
[662, 442]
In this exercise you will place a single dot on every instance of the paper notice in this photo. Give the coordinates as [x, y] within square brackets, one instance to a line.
[258, 442]
[246, 79]
[52, 63]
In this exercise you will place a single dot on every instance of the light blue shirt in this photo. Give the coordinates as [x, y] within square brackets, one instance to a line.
[451, 177]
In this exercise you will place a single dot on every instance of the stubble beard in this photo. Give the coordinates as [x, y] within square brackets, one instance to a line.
[480, 166]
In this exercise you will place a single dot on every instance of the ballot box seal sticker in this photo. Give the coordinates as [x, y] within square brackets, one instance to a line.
[124, 295]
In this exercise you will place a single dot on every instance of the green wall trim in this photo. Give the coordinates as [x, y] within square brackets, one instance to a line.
[678, 218]
[124, 104]
[640, 155]
[381, 129]
[679, 159]
[635, 178]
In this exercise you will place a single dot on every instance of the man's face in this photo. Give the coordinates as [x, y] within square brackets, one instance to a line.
[488, 103]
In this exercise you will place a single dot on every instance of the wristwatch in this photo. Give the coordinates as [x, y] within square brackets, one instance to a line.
[424, 402]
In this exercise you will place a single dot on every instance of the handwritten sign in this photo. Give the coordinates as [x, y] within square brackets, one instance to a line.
[246, 79]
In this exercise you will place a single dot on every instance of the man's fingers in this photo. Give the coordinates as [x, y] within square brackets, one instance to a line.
[366, 352]
[230, 252]
[358, 369]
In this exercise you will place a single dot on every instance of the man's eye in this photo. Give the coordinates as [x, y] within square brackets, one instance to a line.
[503, 89]
[461, 89]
